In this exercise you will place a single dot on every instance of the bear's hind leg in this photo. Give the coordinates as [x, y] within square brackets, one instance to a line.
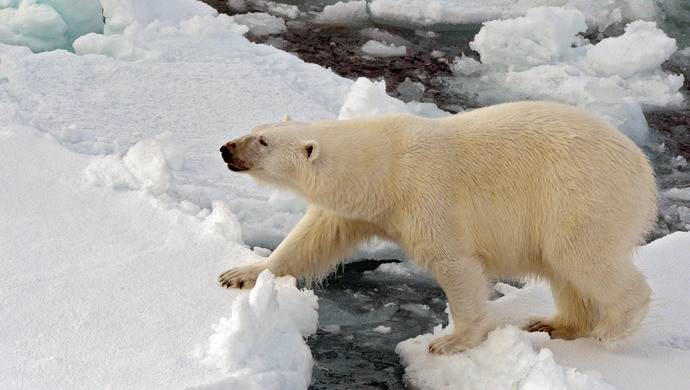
[467, 289]
[576, 314]
[615, 295]
[626, 307]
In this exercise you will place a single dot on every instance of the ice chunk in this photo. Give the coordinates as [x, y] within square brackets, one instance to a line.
[49, 24]
[331, 314]
[466, 66]
[600, 14]
[539, 56]
[260, 23]
[262, 342]
[395, 269]
[384, 36]
[544, 36]
[382, 329]
[367, 98]
[351, 13]
[643, 48]
[410, 90]
[507, 360]
[682, 194]
[416, 308]
[380, 49]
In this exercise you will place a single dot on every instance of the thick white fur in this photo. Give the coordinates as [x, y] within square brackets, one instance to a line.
[528, 188]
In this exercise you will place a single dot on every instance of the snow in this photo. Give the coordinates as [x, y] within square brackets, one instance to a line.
[118, 213]
[512, 358]
[48, 24]
[540, 56]
[261, 344]
[380, 49]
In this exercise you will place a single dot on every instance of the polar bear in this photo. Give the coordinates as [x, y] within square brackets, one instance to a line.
[537, 189]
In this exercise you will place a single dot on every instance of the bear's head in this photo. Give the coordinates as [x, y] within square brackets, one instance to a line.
[280, 154]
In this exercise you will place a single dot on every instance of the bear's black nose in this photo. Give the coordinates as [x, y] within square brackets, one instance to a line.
[225, 152]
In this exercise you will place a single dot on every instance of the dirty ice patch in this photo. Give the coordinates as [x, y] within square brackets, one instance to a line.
[146, 166]
[49, 24]
[506, 360]
[261, 344]
[541, 56]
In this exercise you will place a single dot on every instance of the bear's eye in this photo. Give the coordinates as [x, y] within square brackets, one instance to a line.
[262, 142]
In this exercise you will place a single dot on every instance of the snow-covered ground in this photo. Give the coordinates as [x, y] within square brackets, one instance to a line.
[116, 215]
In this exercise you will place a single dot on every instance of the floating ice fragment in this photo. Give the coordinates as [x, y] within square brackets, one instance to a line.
[260, 23]
[379, 49]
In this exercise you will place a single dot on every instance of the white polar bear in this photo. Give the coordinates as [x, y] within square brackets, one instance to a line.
[529, 188]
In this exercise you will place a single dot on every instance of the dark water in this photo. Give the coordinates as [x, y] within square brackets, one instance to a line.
[348, 353]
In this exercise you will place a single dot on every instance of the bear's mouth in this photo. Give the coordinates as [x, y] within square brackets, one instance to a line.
[236, 169]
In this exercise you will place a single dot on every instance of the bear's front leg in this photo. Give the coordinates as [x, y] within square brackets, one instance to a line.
[313, 248]
[467, 289]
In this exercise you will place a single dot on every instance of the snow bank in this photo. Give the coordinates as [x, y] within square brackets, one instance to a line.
[48, 24]
[380, 49]
[540, 56]
[512, 358]
[261, 344]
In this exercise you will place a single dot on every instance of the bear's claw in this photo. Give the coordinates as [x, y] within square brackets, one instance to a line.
[541, 326]
[240, 277]
[447, 344]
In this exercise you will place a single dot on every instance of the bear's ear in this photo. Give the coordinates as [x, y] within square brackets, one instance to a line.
[311, 150]
[286, 118]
